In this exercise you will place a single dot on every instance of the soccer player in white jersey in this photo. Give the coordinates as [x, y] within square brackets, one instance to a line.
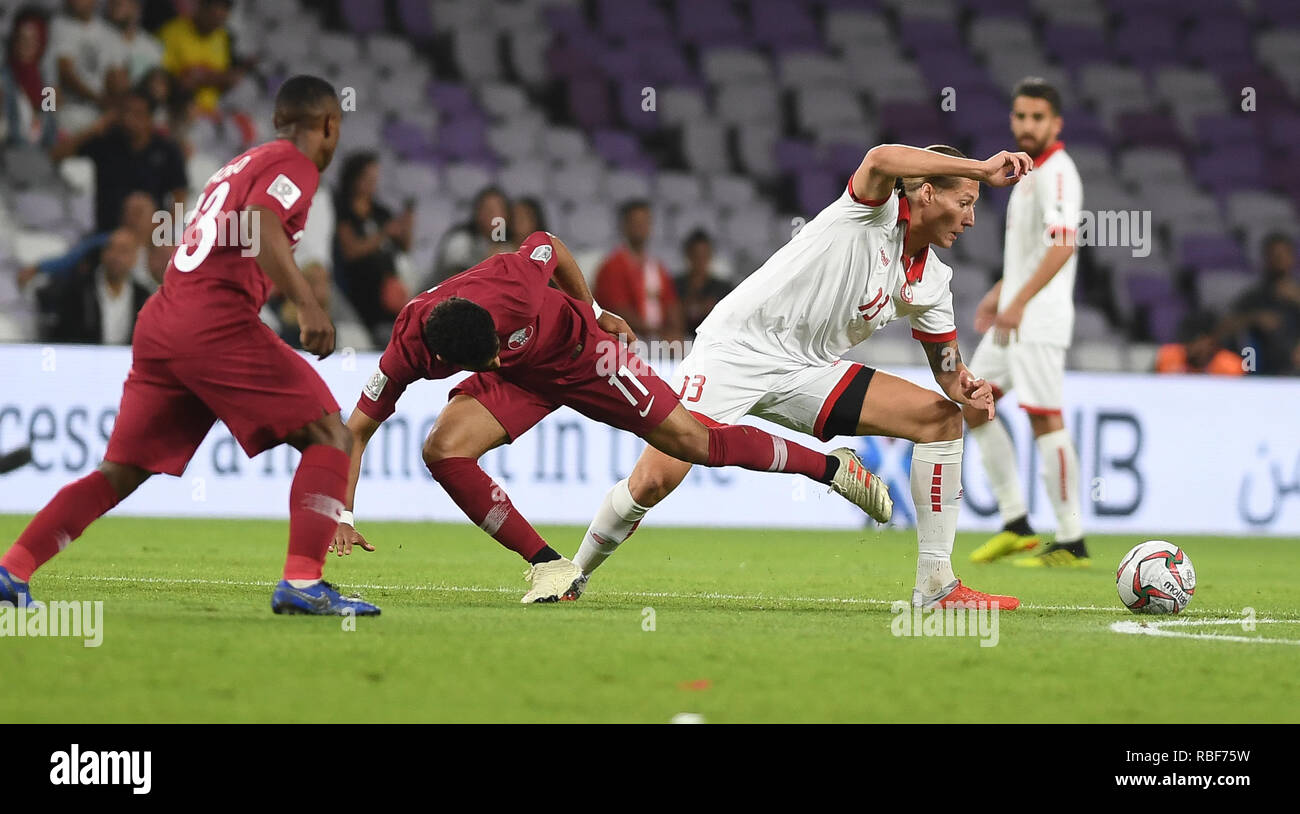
[772, 347]
[1031, 313]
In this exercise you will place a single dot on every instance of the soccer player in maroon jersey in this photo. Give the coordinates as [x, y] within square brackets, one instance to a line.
[533, 348]
[200, 353]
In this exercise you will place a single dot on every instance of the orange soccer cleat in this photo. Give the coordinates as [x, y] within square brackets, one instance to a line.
[957, 595]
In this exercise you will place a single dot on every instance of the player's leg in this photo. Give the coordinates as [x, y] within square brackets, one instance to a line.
[159, 425]
[267, 394]
[998, 455]
[897, 408]
[486, 411]
[1042, 368]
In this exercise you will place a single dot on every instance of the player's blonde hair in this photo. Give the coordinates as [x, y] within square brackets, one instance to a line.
[906, 186]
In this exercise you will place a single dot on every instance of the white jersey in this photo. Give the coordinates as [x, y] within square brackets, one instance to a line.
[1042, 207]
[835, 283]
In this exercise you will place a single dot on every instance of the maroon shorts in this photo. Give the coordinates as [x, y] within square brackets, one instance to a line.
[615, 388]
[259, 386]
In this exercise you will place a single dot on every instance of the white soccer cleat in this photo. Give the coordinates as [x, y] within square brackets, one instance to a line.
[863, 489]
[554, 581]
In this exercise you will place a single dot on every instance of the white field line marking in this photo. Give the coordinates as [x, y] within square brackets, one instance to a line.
[827, 600]
[1158, 629]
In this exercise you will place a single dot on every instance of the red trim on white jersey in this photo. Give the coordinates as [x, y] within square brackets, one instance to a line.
[915, 265]
[866, 201]
[1040, 410]
[943, 337]
[1051, 150]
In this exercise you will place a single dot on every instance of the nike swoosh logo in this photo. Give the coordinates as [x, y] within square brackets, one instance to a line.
[646, 411]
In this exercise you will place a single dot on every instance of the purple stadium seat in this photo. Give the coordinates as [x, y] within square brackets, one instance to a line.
[814, 189]
[1270, 92]
[416, 19]
[710, 24]
[1279, 12]
[1211, 252]
[999, 8]
[795, 156]
[631, 18]
[1218, 40]
[565, 19]
[1146, 41]
[1148, 129]
[931, 35]
[1214, 132]
[1231, 168]
[909, 119]
[1280, 129]
[452, 98]
[1082, 126]
[617, 147]
[362, 16]
[1075, 45]
[590, 103]
[783, 24]
[408, 140]
[1163, 320]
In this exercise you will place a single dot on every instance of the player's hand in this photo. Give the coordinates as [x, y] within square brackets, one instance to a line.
[985, 312]
[315, 330]
[978, 393]
[345, 538]
[613, 324]
[1006, 168]
[1007, 322]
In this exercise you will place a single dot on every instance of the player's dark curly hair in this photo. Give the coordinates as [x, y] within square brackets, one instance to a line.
[905, 185]
[462, 333]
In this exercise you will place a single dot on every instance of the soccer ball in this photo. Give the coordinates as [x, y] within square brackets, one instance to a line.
[1156, 577]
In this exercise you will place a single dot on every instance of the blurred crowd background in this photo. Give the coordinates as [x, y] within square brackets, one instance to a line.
[674, 144]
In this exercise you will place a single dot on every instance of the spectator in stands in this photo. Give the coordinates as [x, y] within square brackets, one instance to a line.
[471, 242]
[697, 288]
[525, 218]
[636, 285]
[367, 241]
[89, 64]
[23, 119]
[1267, 316]
[1199, 350]
[97, 307]
[128, 155]
[198, 50]
[137, 216]
[141, 51]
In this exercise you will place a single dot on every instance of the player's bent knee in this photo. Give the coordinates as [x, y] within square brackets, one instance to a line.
[124, 478]
[944, 424]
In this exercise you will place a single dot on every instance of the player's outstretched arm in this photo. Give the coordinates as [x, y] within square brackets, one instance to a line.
[275, 258]
[569, 277]
[956, 381]
[875, 176]
[363, 428]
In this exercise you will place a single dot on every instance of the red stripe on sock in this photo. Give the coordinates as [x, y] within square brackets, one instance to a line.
[936, 491]
[1060, 456]
[751, 448]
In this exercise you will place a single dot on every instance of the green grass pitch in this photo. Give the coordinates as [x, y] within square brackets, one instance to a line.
[757, 625]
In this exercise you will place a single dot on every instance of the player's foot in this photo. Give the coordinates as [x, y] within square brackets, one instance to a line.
[1004, 544]
[14, 592]
[1058, 555]
[957, 595]
[863, 489]
[320, 599]
[553, 581]
[575, 590]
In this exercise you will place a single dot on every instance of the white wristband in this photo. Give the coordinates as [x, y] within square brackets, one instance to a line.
[596, 307]
[345, 516]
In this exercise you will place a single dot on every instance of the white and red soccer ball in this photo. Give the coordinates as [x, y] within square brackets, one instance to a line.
[1156, 577]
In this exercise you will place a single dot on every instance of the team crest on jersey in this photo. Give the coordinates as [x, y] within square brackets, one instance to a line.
[906, 292]
[541, 254]
[520, 337]
[376, 385]
[284, 190]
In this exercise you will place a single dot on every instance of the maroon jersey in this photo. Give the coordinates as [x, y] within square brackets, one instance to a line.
[539, 327]
[213, 282]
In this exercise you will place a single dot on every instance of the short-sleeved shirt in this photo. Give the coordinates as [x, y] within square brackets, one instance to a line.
[643, 285]
[184, 47]
[213, 284]
[538, 326]
[1043, 207]
[93, 45]
[837, 281]
[157, 169]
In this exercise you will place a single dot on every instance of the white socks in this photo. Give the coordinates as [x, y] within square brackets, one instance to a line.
[936, 482]
[614, 522]
[1060, 465]
[999, 457]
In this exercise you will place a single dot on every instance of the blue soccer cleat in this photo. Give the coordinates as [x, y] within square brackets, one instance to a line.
[318, 600]
[14, 592]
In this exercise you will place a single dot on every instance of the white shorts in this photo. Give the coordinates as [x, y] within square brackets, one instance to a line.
[1034, 370]
[724, 382]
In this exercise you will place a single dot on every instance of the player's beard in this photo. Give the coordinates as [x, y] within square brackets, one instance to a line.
[1032, 146]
